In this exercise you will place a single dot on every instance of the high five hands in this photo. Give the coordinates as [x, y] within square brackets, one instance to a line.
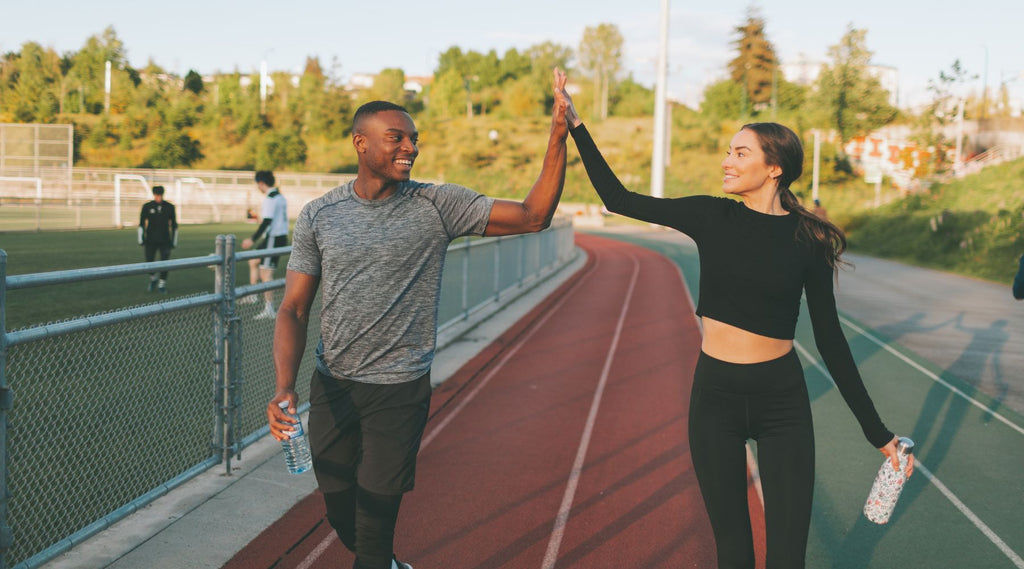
[562, 98]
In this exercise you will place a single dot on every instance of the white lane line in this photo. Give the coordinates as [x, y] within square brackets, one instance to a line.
[326, 542]
[991, 535]
[504, 360]
[931, 375]
[970, 515]
[316, 553]
[577, 468]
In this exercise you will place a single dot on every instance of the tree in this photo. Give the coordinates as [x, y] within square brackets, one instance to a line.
[88, 70]
[723, 100]
[631, 99]
[600, 53]
[947, 94]
[172, 148]
[388, 85]
[193, 82]
[446, 96]
[276, 149]
[853, 100]
[33, 81]
[755, 62]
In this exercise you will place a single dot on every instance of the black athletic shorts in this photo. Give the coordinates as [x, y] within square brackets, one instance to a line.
[366, 434]
[271, 242]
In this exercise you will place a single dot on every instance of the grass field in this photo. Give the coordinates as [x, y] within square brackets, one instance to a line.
[42, 252]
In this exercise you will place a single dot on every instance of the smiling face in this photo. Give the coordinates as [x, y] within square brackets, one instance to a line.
[386, 142]
[744, 167]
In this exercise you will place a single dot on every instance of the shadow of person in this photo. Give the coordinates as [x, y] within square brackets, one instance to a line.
[865, 348]
[939, 419]
[984, 351]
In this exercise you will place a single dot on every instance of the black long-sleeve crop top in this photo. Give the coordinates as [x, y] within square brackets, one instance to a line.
[753, 271]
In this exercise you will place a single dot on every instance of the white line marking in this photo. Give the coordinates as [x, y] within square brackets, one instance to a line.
[316, 553]
[494, 371]
[577, 468]
[323, 545]
[991, 535]
[931, 375]
[971, 516]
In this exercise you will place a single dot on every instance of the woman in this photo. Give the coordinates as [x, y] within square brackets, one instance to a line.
[757, 256]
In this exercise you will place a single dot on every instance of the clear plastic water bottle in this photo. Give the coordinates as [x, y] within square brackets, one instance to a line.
[888, 485]
[296, 448]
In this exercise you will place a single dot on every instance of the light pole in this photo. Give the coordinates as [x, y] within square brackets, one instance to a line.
[659, 153]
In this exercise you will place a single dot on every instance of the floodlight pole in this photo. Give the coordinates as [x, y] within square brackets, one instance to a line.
[660, 124]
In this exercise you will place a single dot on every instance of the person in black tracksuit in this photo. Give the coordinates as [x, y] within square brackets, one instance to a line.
[757, 257]
[158, 232]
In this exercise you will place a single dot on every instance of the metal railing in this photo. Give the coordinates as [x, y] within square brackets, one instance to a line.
[103, 414]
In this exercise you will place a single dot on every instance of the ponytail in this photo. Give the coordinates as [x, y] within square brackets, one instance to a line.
[821, 233]
[782, 148]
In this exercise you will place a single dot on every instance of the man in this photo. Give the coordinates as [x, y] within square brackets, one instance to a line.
[158, 231]
[377, 245]
[274, 224]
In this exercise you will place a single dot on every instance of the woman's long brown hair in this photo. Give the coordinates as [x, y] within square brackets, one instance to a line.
[782, 148]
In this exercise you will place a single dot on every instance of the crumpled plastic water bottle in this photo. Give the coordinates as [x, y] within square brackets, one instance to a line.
[888, 485]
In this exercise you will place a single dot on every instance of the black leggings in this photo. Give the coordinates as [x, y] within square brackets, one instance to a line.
[766, 402]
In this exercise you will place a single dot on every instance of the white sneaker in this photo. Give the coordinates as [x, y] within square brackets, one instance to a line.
[396, 564]
[266, 314]
[250, 299]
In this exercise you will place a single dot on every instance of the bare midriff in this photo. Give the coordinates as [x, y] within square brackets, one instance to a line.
[731, 344]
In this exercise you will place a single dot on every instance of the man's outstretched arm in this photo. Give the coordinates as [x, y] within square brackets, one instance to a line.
[535, 212]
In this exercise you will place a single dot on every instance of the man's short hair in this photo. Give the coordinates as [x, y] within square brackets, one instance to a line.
[265, 176]
[372, 108]
[158, 190]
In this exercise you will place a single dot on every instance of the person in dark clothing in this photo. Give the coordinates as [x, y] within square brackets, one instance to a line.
[1018, 281]
[158, 232]
[757, 256]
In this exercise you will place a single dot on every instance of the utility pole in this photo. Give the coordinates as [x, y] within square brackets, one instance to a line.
[106, 90]
[263, 87]
[659, 153]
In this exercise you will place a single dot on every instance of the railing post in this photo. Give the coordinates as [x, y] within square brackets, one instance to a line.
[6, 398]
[233, 348]
[465, 280]
[497, 268]
[227, 359]
[220, 317]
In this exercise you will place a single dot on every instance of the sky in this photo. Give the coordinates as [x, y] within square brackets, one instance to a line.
[919, 38]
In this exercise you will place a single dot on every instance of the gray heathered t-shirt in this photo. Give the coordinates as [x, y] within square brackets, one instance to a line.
[379, 264]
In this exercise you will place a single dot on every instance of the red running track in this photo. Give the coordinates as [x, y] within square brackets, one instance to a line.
[562, 444]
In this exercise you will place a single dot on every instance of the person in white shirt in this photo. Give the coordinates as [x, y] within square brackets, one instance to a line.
[274, 231]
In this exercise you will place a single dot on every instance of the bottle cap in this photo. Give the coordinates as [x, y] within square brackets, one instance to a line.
[905, 445]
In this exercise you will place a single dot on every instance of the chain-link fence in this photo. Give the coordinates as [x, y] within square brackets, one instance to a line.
[101, 415]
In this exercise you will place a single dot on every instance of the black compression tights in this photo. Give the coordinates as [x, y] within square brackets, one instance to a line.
[365, 523]
[766, 402]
